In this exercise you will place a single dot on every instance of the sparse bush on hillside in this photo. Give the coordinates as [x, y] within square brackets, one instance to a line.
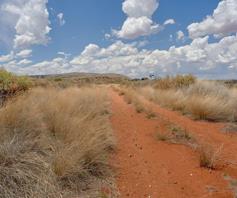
[53, 143]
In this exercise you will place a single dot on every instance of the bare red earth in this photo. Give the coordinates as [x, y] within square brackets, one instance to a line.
[147, 167]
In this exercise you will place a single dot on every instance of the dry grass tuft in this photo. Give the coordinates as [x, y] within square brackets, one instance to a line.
[162, 137]
[150, 114]
[209, 157]
[53, 142]
[177, 135]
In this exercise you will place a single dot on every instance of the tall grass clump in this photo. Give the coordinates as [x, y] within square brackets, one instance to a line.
[54, 143]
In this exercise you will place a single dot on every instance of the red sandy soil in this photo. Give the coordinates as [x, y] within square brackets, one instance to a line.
[150, 168]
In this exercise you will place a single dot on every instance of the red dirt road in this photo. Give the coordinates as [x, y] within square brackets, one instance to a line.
[147, 167]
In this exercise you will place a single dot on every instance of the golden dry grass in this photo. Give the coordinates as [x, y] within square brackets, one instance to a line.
[208, 157]
[175, 82]
[54, 142]
[203, 100]
[131, 96]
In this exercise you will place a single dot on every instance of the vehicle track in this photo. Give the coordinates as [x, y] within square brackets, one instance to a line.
[147, 167]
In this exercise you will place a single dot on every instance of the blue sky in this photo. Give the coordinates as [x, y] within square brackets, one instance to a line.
[132, 37]
[87, 21]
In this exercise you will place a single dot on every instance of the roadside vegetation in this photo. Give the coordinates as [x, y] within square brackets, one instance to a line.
[131, 96]
[55, 143]
[203, 100]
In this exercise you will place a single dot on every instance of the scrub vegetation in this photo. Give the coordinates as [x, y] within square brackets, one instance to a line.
[203, 100]
[55, 143]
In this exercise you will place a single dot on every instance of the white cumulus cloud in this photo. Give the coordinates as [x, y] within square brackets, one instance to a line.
[200, 57]
[139, 8]
[223, 21]
[139, 21]
[135, 27]
[29, 19]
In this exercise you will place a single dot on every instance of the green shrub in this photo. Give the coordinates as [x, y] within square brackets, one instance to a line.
[23, 83]
[10, 83]
[6, 79]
